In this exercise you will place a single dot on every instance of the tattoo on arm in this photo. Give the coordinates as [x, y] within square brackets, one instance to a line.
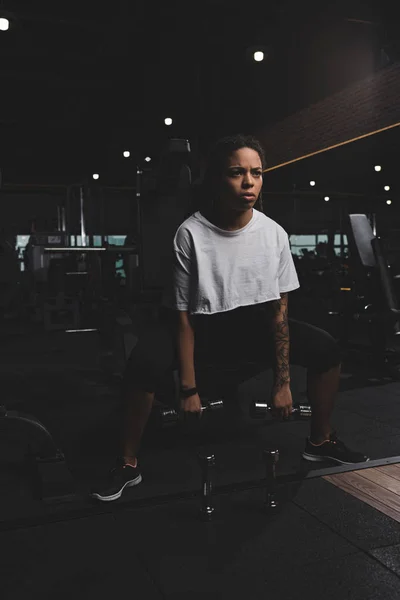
[281, 332]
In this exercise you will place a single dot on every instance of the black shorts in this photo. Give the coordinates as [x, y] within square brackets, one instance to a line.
[238, 341]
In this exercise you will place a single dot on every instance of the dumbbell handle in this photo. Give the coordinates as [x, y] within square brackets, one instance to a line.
[260, 409]
[170, 414]
[211, 405]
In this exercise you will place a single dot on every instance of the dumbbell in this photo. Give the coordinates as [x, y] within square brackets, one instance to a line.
[169, 416]
[270, 458]
[258, 410]
[207, 465]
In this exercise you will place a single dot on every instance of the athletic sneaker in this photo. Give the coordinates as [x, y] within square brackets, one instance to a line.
[334, 450]
[120, 478]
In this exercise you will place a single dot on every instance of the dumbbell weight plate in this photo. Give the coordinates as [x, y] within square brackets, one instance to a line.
[167, 416]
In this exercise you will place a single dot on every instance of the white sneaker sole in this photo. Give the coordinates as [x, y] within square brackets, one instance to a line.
[118, 494]
[313, 458]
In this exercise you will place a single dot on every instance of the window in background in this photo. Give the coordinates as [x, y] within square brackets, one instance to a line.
[22, 241]
[76, 240]
[338, 244]
[322, 238]
[298, 242]
[114, 240]
[118, 240]
[309, 243]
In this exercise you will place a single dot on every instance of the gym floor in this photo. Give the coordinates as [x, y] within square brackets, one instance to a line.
[324, 542]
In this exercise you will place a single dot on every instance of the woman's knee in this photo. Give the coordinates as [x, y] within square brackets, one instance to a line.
[313, 347]
[329, 355]
[149, 365]
[143, 373]
[132, 383]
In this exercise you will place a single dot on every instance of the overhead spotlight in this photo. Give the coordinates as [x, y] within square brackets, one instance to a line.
[387, 188]
[388, 202]
[378, 168]
[147, 159]
[127, 154]
[4, 24]
[312, 183]
[96, 176]
[168, 121]
[326, 198]
[258, 52]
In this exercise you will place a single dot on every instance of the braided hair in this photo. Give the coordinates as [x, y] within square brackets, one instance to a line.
[216, 163]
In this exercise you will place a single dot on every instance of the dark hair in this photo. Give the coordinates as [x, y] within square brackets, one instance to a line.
[217, 157]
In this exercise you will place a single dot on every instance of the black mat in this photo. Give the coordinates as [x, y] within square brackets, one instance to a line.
[322, 544]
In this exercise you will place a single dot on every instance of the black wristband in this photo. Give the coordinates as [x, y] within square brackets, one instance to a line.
[188, 393]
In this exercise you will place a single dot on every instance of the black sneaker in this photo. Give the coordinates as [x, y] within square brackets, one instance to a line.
[121, 477]
[333, 450]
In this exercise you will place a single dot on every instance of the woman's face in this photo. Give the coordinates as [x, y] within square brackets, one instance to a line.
[241, 180]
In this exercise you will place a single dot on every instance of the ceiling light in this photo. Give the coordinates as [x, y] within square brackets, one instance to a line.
[258, 56]
[127, 154]
[168, 121]
[378, 168]
[387, 188]
[147, 159]
[388, 202]
[4, 24]
[326, 198]
[96, 176]
[312, 183]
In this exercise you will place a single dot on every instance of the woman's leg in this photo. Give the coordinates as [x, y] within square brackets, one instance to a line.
[317, 350]
[322, 389]
[137, 405]
[151, 359]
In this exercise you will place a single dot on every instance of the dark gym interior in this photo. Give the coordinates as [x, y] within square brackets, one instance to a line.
[94, 182]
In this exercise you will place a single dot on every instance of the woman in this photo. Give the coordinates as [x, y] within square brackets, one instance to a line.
[227, 304]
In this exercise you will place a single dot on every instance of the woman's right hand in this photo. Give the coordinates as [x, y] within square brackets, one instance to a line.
[191, 405]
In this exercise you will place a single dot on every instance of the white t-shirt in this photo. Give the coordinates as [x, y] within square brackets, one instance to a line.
[215, 271]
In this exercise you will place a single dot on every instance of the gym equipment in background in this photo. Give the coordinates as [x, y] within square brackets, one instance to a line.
[47, 468]
[375, 304]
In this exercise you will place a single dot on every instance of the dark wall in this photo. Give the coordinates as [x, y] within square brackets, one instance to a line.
[110, 212]
[19, 209]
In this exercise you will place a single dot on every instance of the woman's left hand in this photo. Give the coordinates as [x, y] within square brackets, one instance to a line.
[282, 402]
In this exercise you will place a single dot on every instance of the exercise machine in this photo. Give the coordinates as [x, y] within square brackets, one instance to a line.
[47, 468]
[374, 300]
